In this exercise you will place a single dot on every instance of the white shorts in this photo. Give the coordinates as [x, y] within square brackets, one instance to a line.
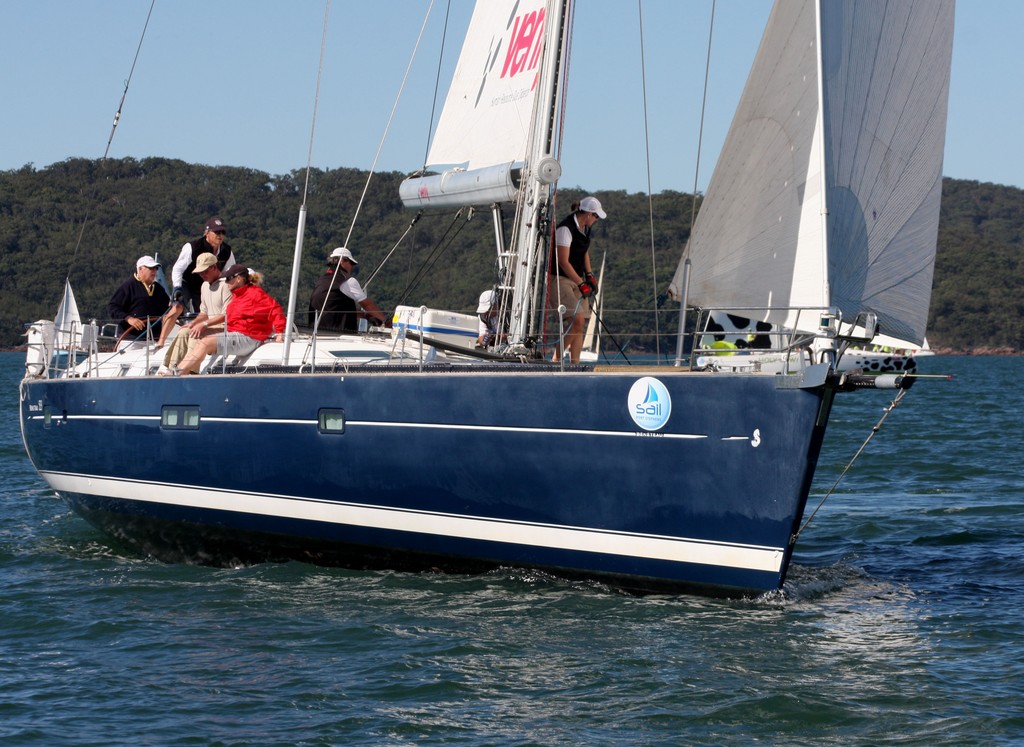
[236, 343]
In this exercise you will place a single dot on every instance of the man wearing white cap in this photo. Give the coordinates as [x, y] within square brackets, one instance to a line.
[573, 281]
[338, 299]
[140, 301]
[487, 311]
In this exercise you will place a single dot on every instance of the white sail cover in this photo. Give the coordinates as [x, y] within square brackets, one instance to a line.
[829, 195]
[486, 116]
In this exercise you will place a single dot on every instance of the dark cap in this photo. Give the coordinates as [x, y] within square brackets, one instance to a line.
[215, 224]
[235, 270]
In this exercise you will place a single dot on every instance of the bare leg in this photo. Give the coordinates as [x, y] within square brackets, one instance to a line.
[191, 362]
[574, 339]
[167, 322]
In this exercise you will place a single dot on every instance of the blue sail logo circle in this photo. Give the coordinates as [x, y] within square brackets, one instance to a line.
[649, 403]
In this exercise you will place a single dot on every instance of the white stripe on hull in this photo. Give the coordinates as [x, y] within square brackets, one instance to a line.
[581, 539]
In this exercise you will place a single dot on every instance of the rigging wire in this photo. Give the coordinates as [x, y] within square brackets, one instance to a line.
[686, 263]
[373, 166]
[700, 131]
[885, 414]
[113, 128]
[437, 84]
[394, 246]
[439, 249]
[650, 197]
[387, 127]
[301, 228]
[316, 104]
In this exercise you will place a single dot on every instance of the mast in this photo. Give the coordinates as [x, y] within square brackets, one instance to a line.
[530, 234]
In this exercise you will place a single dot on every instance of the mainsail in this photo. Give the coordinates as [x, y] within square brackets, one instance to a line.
[482, 134]
[827, 191]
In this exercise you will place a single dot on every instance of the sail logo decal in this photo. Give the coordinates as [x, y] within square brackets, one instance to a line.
[649, 403]
[525, 37]
[525, 45]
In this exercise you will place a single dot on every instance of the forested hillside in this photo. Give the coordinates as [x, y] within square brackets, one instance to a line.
[133, 207]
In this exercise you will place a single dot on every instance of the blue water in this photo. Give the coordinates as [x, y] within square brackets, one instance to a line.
[900, 624]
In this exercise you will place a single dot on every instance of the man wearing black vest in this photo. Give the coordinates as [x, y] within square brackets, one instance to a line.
[575, 284]
[339, 299]
[187, 284]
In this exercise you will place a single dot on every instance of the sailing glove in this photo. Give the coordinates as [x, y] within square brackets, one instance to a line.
[176, 295]
[586, 289]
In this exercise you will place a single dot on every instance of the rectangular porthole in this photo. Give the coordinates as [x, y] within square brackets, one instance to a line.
[47, 416]
[331, 421]
[179, 417]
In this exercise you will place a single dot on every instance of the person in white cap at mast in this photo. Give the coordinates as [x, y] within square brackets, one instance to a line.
[338, 297]
[487, 312]
[570, 269]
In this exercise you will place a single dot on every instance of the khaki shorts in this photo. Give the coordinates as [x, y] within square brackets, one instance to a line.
[567, 293]
[235, 343]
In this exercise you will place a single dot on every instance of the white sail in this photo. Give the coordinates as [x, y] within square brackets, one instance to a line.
[486, 116]
[827, 191]
[67, 325]
[484, 126]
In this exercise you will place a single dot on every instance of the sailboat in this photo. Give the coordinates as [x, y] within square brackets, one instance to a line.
[394, 449]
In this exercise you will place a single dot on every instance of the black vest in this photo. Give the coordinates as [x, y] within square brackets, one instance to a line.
[577, 249]
[200, 246]
[339, 313]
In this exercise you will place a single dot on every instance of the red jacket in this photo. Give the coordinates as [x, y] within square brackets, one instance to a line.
[254, 313]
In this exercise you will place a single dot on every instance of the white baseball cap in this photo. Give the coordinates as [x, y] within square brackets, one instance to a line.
[592, 205]
[343, 253]
[487, 300]
[146, 261]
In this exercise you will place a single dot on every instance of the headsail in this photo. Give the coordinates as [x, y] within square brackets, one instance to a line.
[828, 195]
[482, 133]
[67, 325]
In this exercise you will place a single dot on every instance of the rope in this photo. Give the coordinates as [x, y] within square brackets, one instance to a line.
[110, 139]
[874, 430]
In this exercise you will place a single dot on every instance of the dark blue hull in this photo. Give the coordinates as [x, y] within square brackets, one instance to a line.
[659, 480]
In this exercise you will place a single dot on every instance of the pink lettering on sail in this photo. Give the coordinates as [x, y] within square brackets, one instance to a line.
[527, 34]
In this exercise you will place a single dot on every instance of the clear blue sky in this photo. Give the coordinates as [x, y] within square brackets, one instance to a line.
[232, 82]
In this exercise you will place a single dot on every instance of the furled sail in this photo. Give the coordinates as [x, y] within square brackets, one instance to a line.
[481, 137]
[827, 195]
